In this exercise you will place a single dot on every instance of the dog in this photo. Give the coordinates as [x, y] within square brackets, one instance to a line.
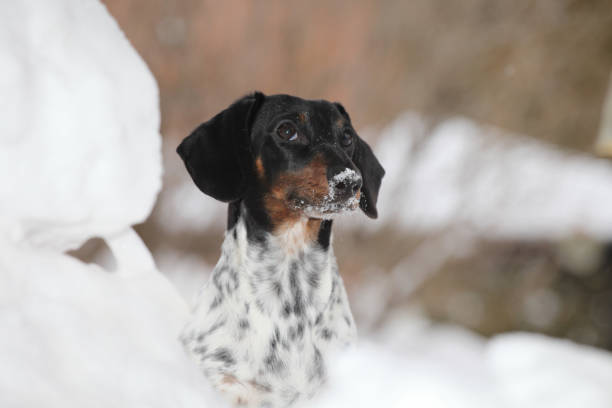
[275, 306]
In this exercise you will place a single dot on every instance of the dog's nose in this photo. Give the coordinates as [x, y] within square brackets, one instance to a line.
[346, 182]
[351, 186]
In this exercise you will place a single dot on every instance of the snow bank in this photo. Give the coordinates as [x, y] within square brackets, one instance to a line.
[79, 135]
[80, 157]
[417, 364]
[534, 370]
[462, 175]
[76, 335]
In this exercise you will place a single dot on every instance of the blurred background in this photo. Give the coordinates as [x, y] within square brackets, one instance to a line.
[506, 80]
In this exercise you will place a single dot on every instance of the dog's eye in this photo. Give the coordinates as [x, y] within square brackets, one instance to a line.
[287, 131]
[347, 139]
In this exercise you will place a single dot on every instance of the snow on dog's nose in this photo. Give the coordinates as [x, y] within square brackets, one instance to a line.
[344, 185]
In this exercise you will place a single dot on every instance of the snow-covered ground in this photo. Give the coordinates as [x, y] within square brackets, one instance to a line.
[414, 363]
[75, 335]
[79, 157]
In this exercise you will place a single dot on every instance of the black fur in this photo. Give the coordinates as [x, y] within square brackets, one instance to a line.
[217, 153]
[371, 171]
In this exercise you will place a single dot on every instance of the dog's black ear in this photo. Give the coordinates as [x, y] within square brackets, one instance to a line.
[371, 172]
[217, 153]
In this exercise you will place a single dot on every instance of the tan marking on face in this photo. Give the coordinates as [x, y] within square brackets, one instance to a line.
[289, 222]
[309, 184]
[303, 117]
[340, 123]
[259, 168]
[277, 207]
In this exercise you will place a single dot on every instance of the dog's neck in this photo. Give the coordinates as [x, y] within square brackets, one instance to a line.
[293, 265]
[294, 235]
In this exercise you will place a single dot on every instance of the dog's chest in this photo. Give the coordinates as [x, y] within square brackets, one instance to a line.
[267, 320]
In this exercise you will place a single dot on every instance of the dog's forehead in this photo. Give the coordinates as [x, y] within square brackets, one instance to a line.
[316, 113]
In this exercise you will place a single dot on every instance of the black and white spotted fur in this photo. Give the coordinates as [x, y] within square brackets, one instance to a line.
[268, 318]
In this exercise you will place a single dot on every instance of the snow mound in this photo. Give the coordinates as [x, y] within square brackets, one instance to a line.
[371, 376]
[414, 363]
[79, 135]
[534, 370]
[79, 157]
[79, 336]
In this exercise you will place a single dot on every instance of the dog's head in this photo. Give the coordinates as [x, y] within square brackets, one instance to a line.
[300, 157]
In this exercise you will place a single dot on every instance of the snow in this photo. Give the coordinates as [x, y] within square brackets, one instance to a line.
[534, 369]
[79, 158]
[187, 272]
[81, 336]
[343, 175]
[76, 100]
[416, 363]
